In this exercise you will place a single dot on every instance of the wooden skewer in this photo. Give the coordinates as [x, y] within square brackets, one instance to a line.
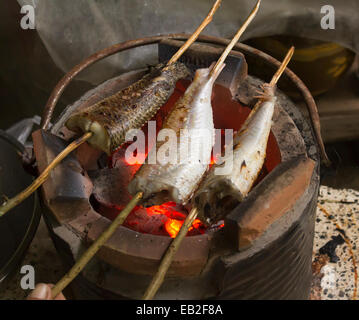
[282, 67]
[230, 46]
[274, 79]
[11, 203]
[92, 250]
[195, 35]
[168, 257]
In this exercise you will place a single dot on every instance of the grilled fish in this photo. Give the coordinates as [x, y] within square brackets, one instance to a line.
[132, 107]
[192, 117]
[220, 193]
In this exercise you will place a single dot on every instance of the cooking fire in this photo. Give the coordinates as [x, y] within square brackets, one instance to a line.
[166, 219]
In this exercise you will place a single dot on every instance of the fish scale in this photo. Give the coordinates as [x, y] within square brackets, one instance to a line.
[110, 119]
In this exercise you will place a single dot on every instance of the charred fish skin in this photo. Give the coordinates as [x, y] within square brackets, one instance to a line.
[110, 119]
[219, 194]
[192, 116]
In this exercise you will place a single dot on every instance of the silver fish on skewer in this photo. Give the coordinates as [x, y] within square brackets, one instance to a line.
[191, 116]
[219, 193]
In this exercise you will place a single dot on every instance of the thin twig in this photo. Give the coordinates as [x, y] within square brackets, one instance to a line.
[195, 35]
[230, 46]
[13, 202]
[92, 250]
[168, 257]
[274, 80]
[282, 67]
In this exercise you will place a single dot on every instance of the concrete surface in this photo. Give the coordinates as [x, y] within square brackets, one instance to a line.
[335, 243]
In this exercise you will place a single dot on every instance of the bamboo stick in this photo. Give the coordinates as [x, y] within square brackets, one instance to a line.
[195, 35]
[273, 81]
[235, 39]
[93, 249]
[168, 257]
[13, 202]
[282, 67]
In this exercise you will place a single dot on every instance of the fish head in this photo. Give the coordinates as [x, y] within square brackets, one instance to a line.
[216, 200]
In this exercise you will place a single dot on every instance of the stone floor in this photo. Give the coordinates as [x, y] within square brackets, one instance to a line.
[335, 252]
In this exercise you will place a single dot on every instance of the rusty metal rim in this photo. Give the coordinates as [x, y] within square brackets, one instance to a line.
[68, 77]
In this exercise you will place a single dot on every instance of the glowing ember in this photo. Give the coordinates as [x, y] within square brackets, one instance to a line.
[197, 224]
[165, 220]
[169, 209]
[173, 227]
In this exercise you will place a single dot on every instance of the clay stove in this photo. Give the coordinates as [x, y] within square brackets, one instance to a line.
[262, 250]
